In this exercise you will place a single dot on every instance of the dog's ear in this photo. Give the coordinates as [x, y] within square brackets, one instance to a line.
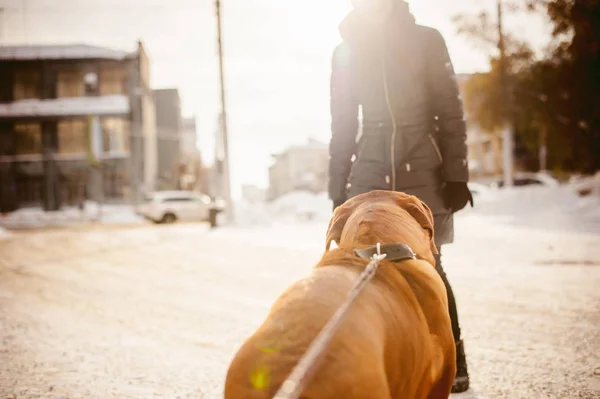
[422, 214]
[338, 221]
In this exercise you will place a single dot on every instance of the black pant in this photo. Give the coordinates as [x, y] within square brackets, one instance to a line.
[451, 301]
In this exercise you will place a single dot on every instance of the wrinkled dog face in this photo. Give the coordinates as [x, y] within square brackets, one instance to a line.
[386, 217]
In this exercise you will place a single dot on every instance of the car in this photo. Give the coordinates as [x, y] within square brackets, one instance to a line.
[528, 178]
[172, 206]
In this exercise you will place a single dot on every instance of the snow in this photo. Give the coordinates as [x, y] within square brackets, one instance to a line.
[589, 185]
[37, 217]
[251, 214]
[54, 52]
[521, 269]
[4, 234]
[292, 208]
[301, 205]
[116, 104]
[544, 208]
[532, 207]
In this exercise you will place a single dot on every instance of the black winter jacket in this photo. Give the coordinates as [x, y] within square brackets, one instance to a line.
[413, 135]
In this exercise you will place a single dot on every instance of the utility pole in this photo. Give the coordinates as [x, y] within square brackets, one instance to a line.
[226, 168]
[507, 129]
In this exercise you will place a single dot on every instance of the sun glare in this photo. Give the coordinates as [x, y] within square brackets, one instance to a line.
[320, 20]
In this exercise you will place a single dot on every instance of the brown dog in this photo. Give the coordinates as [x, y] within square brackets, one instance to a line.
[396, 341]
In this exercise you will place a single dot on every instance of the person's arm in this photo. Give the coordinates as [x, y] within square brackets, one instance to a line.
[344, 124]
[448, 109]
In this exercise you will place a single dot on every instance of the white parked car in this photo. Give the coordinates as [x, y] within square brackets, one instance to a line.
[171, 206]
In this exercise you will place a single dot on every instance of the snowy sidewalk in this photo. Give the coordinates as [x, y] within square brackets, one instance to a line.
[158, 311]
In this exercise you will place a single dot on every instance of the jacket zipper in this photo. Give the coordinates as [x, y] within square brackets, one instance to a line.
[437, 148]
[394, 125]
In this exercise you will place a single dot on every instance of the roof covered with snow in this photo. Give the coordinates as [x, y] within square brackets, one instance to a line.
[77, 106]
[59, 52]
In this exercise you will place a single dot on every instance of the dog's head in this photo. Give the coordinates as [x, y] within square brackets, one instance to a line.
[384, 217]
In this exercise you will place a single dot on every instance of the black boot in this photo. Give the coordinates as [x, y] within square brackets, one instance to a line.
[461, 381]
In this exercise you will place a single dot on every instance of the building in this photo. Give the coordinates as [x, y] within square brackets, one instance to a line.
[188, 138]
[303, 167]
[63, 106]
[168, 127]
[485, 152]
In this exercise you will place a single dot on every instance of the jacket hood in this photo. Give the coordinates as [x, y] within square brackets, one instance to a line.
[357, 27]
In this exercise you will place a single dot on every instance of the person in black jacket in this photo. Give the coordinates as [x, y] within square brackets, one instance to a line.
[400, 77]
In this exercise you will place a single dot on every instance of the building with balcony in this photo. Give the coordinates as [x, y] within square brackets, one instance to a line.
[76, 122]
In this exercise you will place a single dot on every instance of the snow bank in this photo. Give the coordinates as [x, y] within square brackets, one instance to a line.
[300, 206]
[554, 208]
[112, 214]
[37, 217]
[4, 234]
[589, 185]
[294, 207]
[251, 214]
[540, 207]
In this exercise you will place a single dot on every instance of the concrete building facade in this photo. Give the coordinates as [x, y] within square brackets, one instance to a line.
[302, 167]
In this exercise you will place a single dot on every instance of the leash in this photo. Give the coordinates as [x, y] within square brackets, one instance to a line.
[296, 382]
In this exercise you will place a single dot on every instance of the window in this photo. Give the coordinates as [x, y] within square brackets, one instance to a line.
[90, 81]
[179, 199]
[115, 132]
[69, 84]
[6, 139]
[113, 81]
[72, 138]
[28, 138]
[27, 85]
[6, 83]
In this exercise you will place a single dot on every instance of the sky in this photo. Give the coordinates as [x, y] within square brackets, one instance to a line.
[277, 59]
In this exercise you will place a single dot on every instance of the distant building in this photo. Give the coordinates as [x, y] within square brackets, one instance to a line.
[303, 167]
[64, 105]
[485, 148]
[188, 138]
[168, 127]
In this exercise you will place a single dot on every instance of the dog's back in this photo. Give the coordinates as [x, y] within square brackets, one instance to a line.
[396, 340]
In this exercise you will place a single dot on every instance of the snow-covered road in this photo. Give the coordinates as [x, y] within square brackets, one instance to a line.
[158, 311]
